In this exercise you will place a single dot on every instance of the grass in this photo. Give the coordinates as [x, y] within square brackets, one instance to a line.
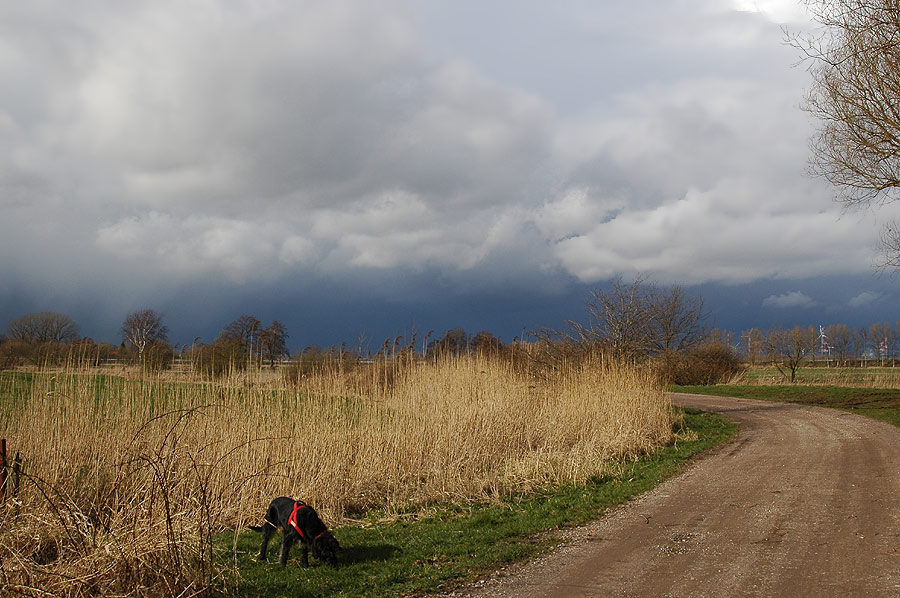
[451, 544]
[883, 403]
[854, 377]
[128, 482]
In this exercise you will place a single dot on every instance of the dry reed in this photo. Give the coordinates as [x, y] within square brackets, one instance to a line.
[127, 481]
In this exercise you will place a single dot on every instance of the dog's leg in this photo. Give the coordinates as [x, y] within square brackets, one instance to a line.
[268, 531]
[286, 541]
[304, 554]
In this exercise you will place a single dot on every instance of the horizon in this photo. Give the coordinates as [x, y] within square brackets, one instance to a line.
[771, 308]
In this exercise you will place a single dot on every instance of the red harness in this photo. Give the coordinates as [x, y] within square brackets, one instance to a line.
[292, 520]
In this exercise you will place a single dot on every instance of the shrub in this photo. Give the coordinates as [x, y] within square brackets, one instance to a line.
[710, 363]
[157, 357]
[314, 361]
[14, 354]
[219, 358]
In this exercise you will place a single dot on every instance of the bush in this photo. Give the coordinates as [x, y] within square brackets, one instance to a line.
[314, 361]
[219, 358]
[710, 363]
[14, 354]
[158, 357]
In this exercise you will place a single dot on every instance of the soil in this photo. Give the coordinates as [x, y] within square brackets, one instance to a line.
[805, 502]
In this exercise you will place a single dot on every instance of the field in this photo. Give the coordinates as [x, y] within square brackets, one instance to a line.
[870, 377]
[130, 483]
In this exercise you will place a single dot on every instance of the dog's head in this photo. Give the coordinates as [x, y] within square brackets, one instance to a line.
[325, 548]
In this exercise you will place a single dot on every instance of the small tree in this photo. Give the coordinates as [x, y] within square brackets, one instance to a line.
[840, 339]
[273, 343]
[142, 330]
[618, 319]
[677, 322]
[753, 343]
[454, 342]
[861, 344]
[882, 339]
[243, 333]
[789, 348]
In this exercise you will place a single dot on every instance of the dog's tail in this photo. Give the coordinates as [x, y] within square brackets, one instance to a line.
[261, 528]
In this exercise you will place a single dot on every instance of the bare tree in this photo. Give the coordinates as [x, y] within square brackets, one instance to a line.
[143, 329]
[240, 340]
[618, 319]
[639, 319]
[273, 342]
[840, 337]
[43, 327]
[242, 331]
[725, 338]
[677, 320]
[790, 348]
[754, 345]
[856, 70]
[882, 338]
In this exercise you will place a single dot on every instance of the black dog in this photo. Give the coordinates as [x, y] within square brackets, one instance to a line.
[300, 524]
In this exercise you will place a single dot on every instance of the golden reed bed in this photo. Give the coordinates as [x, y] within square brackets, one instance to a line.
[128, 480]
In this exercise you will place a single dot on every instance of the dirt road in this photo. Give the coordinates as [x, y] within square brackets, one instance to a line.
[806, 502]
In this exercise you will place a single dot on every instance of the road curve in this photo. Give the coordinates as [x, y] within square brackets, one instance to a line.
[806, 502]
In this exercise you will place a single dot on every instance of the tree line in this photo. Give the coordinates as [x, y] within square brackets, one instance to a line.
[834, 344]
[636, 320]
[52, 338]
[49, 337]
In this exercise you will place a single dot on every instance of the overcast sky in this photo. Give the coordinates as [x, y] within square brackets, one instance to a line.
[377, 167]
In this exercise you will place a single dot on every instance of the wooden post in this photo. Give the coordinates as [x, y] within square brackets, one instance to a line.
[17, 472]
[2, 470]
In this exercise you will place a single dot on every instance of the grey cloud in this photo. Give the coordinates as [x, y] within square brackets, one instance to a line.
[148, 145]
[864, 299]
[789, 300]
[189, 127]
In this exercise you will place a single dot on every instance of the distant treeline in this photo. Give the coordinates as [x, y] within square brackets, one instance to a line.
[636, 322]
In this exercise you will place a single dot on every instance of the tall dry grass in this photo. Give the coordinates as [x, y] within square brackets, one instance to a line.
[127, 481]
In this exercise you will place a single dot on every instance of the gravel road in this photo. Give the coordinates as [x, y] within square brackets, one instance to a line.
[806, 502]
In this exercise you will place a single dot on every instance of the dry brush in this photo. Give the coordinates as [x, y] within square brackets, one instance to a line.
[128, 481]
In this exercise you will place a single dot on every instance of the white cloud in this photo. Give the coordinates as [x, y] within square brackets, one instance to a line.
[864, 299]
[789, 300]
[698, 181]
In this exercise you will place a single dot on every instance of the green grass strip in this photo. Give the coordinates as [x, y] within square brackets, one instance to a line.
[878, 403]
[459, 543]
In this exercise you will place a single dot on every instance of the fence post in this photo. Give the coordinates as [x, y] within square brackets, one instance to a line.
[2, 470]
[17, 472]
